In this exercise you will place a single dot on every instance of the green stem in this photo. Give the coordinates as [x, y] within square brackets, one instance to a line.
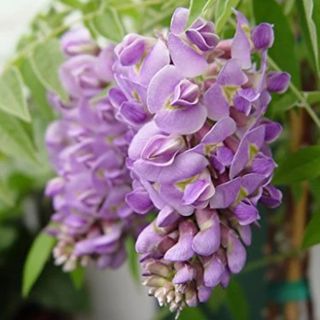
[273, 259]
[300, 96]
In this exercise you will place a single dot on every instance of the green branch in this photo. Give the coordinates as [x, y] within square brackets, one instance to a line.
[300, 96]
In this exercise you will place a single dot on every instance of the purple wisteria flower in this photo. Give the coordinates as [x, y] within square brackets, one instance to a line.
[181, 133]
[201, 156]
[88, 148]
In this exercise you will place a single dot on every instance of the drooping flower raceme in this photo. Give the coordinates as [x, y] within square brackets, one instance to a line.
[88, 147]
[200, 153]
[181, 132]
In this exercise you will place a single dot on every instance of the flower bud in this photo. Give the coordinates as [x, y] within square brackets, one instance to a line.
[262, 36]
[278, 81]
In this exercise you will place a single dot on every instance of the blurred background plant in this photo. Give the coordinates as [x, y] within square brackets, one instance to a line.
[275, 281]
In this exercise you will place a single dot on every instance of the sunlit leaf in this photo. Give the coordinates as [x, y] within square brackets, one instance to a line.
[192, 314]
[76, 4]
[15, 141]
[283, 103]
[195, 9]
[301, 165]
[77, 277]
[108, 24]
[8, 236]
[46, 61]
[37, 90]
[225, 11]
[306, 10]
[37, 257]
[312, 233]
[6, 195]
[132, 258]
[12, 99]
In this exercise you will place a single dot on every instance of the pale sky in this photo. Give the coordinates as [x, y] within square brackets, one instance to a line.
[14, 18]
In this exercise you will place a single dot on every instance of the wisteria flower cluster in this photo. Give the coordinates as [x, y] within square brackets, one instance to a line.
[180, 133]
[88, 148]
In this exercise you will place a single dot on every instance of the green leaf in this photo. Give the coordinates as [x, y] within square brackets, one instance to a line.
[37, 90]
[6, 195]
[37, 257]
[312, 233]
[306, 9]
[46, 61]
[76, 4]
[192, 314]
[12, 99]
[218, 298]
[15, 141]
[132, 259]
[162, 314]
[225, 11]
[108, 24]
[77, 277]
[312, 96]
[237, 302]
[195, 10]
[8, 236]
[270, 11]
[283, 103]
[301, 165]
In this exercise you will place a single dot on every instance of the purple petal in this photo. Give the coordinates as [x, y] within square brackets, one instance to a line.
[141, 139]
[148, 240]
[271, 197]
[278, 81]
[245, 234]
[180, 53]
[240, 49]
[226, 193]
[131, 49]
[246, 213]
[263, 36]
[201, 33]
[173, 197]
[179, 20]
[216, 103]
[213, 271]
[181, 120]
[185, 274]
[154, 61]
[252, 140]
[133, 113]
[186, 165]
[204, 293]
[194, 190]
[231, 74]
[182, 251]
[252, 181]
[103, 66]
[273, 130]
[236, 253]
[220, 131]
[161, 87]
[139, 201]
[263, 165]
[161, 150]
[166, 217]
[207, 240]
